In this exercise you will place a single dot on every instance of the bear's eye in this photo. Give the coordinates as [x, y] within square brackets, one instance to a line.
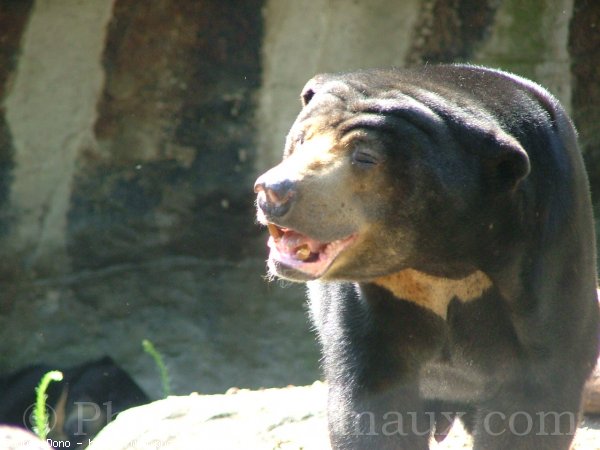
[366, 157]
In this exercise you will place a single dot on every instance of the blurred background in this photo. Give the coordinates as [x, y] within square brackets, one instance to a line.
[131, 133]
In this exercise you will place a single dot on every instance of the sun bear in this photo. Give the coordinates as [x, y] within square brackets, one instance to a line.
[441, 218]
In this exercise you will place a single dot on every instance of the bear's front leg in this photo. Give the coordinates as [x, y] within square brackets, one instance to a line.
[525, 416]
[374, 346]
[391, 419]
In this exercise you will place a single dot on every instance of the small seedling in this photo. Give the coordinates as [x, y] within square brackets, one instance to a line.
[160, 364]
[40, 416]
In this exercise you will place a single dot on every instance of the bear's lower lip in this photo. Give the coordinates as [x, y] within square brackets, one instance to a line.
[290, 249]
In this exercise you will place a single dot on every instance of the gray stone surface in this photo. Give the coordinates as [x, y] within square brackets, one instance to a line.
[218, 324]
[290, 418]
[293, 418]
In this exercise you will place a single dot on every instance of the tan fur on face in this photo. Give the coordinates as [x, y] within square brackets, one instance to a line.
[434, 293]
[317, 153]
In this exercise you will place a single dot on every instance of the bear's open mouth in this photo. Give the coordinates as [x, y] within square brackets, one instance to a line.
[300, 252]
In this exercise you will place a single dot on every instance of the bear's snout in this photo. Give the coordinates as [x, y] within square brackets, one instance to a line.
[274, 197]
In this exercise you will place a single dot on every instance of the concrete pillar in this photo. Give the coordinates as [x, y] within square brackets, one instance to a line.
[531, 38]
[50, 111]
[304, 37]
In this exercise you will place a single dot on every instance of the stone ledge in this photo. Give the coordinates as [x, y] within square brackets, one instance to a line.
[291, 418]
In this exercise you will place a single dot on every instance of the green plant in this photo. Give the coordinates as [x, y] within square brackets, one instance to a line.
[40, 416]
[160, 364]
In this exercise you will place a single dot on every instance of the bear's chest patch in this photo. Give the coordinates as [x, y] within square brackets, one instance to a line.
[434, 293]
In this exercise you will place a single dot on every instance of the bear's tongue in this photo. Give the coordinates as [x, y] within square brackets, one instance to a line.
[294, 244]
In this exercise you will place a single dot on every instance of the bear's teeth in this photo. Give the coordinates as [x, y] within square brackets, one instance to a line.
[274, 231]
[303, 252]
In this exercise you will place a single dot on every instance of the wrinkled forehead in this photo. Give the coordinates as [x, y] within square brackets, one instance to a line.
[323, 116]
[343, 105]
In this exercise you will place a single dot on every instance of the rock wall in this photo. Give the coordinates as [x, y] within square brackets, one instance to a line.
[306, 37]
[126, 201]
[530, 38]
[131, 133]
[584, 50]
[50, 112]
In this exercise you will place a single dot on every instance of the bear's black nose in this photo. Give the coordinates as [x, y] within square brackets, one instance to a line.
[274, 198]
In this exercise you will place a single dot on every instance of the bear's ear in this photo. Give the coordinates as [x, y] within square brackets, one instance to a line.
[307, 95]
[314, 85]
[506, 163]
